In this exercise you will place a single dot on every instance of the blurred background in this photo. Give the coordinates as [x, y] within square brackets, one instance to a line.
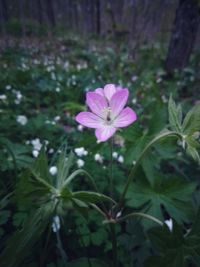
[135, 22]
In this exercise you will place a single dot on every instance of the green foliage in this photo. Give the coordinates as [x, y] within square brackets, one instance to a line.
[189, 128]
[171, 193]
[15, 156]
[47, 84]
[25, 239]
[42, 198]
[176, 248]
[175, 116]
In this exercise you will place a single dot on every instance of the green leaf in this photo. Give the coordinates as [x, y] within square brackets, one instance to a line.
[30, 192]
[18, 154]
[36, 223]
[40, 166]
[191, 122]
[172, 193]
[64, 165]
[175, 115]
[192, 148]
[91, 197]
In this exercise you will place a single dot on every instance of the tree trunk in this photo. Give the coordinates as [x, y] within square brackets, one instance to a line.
[98, 17]
[46, 20]
[39, 9]
[183, 35]
[4, 8]
[22, 17]
[2, 19]
[50, 12]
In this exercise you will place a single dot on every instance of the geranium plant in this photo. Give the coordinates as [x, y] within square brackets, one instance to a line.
[52, 195]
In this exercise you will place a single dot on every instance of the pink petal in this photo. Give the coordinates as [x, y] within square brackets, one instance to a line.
[105, 132]
[109, 90]
[96, 103]
[118, 101]
[89, 119]
[100, 91]
[125, 118]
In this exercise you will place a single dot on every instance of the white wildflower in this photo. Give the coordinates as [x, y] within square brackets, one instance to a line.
[57, 118]
[53, 170]
[98, 158]
[120, 159]
[134, 101]
[80, 127]
[80, 151]
[56, 224]
[21, 119]
[134, 78]
[36, 144]
[169, 223]
[35, 153]
[8, 87]
[80, 163]
[3, 97]
[57, 89]
[18, 95]
[51, 150]
[115, 154]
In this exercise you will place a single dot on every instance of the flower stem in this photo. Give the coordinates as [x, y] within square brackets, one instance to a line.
[111, 168]
[112, 226]
[114, 244]
[60, 246]
[141, 156]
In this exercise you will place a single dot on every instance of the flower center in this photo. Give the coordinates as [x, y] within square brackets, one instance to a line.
[107, 113]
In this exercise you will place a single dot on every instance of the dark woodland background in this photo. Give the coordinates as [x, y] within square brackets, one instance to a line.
[134, 21]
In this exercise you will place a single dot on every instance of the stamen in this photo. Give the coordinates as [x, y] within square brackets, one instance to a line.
[107, 112]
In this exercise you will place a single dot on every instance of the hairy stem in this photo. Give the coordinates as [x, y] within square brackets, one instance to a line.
[111, 168]
[112, 227]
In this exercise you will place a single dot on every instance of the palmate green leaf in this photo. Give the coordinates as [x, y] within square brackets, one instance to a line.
[175, 115]
[158, 118]
[18, 154]
[29, 191]
[172, 193]
[134, 149]
[192, 148]
[22, 241]
[175, 247]
[191, 122]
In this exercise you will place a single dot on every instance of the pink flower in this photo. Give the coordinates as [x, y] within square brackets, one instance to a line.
[107, 111]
